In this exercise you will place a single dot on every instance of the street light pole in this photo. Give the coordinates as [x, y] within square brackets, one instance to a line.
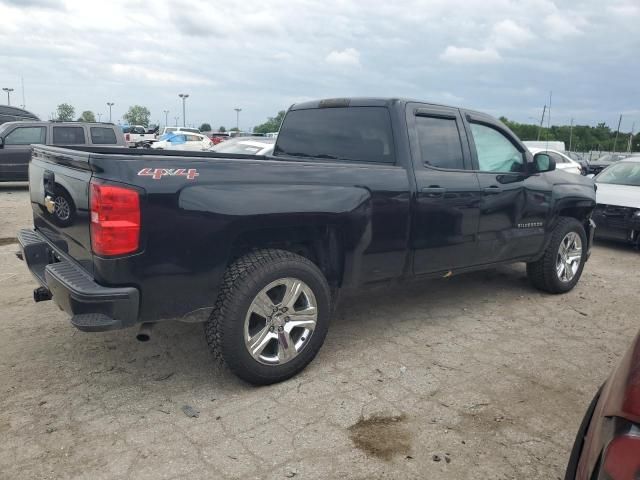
[238, 110]
[99, 117]
[571, 135]
[8, 90]
[176, 119]
[166, 118]
[184, 97]
[110, 104]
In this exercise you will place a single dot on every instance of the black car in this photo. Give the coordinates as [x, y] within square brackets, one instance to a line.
[604, 161]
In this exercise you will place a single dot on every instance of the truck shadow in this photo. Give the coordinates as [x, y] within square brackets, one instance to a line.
[178, 352]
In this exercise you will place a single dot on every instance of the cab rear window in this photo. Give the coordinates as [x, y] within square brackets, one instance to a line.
[103, 136]
[68, 136]
[356, 134]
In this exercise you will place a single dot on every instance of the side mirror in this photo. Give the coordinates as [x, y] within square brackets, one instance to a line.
[591, 175]
[543, 163]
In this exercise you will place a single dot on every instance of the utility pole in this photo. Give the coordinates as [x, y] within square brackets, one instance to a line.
[615, 142]
[24, 103]
[630, 146]
[110, 104]
[541, 121]
[176, 119]
[8, 90]
[238, 110]
[184, 97]
[571, 135]
[99, 117]
[166, 117]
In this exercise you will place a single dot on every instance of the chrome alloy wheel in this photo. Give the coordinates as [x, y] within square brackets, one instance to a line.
[280, 321]
[569, 257]
[61, 208]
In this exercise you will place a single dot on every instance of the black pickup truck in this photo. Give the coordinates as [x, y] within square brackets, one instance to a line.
[357, 192]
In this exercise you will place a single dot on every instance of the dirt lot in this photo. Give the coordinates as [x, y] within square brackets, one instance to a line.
[478, 376]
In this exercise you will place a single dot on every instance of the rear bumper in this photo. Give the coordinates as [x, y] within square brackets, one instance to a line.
[93, 307]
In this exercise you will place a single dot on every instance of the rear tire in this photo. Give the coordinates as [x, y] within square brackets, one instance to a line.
[561, 265]
[263, 330]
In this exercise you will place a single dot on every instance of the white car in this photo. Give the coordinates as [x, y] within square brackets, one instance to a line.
[246, 146]
[563, 162]
[183, 141]
[166, 130]
[617, 213]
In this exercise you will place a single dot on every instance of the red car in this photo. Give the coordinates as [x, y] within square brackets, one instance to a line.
[607, 446]
[218, 137]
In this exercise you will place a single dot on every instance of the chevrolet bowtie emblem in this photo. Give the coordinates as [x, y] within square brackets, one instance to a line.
[49, 203]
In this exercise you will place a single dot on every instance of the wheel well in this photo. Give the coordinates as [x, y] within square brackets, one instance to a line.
[320, 244]
[579, 213]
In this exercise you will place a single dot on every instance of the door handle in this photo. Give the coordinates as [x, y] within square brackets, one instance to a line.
[492, 189]
[433, 191]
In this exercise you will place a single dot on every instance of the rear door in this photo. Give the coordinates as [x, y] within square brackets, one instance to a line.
[445, 216]
[15, 155]
[515, 205]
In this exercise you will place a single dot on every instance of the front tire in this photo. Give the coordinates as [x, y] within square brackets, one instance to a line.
[271, 316]
[560, 267]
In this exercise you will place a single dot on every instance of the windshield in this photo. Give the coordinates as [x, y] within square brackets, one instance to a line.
[624, 173]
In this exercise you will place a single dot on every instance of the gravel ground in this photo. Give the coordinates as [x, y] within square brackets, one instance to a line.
[477, 376]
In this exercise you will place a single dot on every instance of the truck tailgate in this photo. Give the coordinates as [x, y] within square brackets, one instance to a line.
[59, 190]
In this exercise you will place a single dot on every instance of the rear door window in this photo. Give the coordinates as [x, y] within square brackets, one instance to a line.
[103, 136]
[355, 134]
[68, 136]
[26, 136]
[439, 140]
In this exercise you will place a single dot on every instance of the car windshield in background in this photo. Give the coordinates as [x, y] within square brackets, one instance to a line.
[624, 173]
[361, 134]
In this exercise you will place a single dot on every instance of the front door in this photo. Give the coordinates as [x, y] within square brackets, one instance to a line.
[515, 204]
[16, 152]
[445, 215]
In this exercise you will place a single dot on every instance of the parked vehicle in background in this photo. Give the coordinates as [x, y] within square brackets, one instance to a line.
[271, 134]
[357, 192]
[617, 213]
[16, 139]
[183, 141]
[545, 145]
[563, 162]
[139, 135]
[595, 167]
[607, 446]
[15, 114]
[217, 137]
[581, 160]
[247, 146]
[166, 130]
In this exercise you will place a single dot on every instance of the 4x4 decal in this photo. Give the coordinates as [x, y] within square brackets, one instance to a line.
[158, 173]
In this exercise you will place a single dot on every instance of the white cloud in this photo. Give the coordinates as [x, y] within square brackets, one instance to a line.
[349, 57]
[466, 55]
[559, 25]
[152, 75]
[509, 34]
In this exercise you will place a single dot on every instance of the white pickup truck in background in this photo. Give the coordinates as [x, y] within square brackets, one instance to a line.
[139, 135]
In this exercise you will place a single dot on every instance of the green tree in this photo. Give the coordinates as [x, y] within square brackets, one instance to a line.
[205, 127]
[137, 115]
[222, 129]
[87, 116]
[271, 125]
[234, 129]
[65, 112]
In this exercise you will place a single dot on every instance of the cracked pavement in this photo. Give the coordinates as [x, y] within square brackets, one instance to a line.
[482, 376]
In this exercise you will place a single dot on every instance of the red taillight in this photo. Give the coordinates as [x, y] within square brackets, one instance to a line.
[115, 219]
[622, 458]
[127, 137]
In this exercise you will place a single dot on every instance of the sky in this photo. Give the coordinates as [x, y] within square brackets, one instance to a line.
[503, 57]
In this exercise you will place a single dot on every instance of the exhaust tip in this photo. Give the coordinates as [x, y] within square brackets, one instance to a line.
[144, 334]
